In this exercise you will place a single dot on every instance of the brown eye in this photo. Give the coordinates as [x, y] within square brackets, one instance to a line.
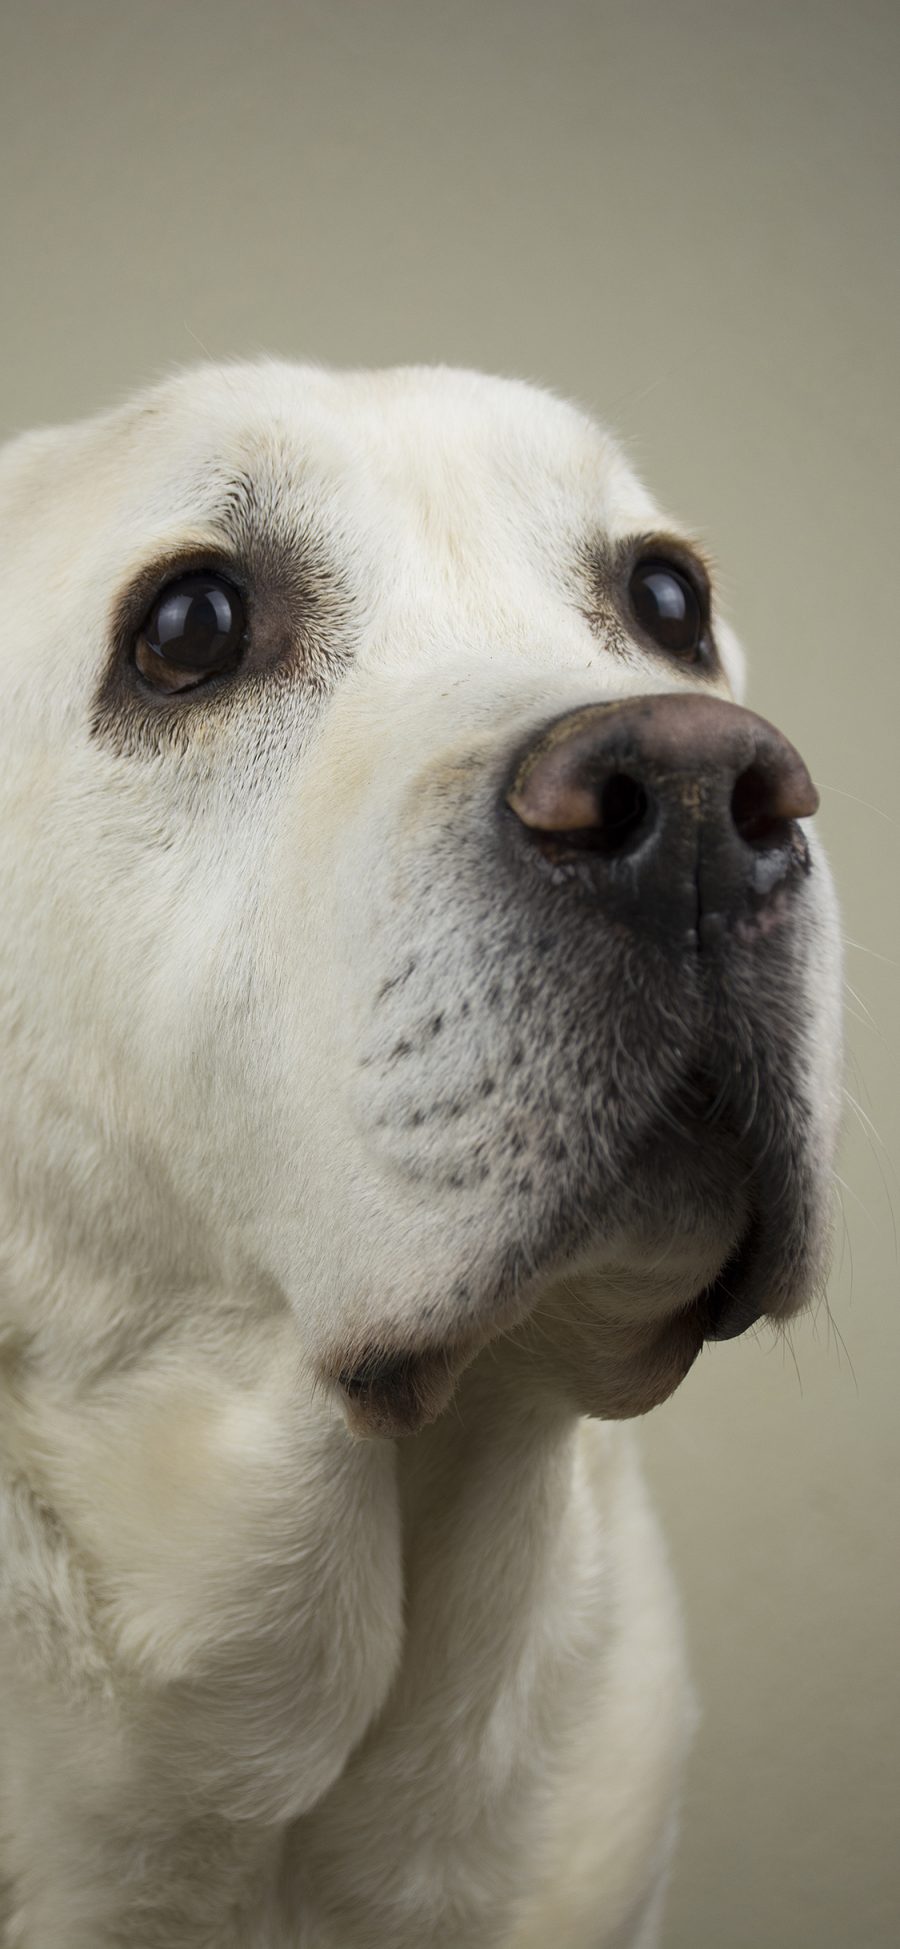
[668, 608]
[194, 630]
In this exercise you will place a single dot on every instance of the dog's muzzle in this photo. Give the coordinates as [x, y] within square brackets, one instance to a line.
[674, 818]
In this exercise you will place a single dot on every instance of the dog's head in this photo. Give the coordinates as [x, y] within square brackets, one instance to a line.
[403, 922]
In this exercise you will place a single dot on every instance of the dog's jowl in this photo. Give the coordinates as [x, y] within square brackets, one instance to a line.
[418, 1018]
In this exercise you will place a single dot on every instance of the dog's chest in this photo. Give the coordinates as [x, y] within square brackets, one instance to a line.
[446, 1817]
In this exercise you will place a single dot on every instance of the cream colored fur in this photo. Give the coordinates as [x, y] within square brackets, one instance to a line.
[266, 1683]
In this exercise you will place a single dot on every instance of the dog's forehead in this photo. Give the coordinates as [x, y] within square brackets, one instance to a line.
[435, 452]
[446, 505]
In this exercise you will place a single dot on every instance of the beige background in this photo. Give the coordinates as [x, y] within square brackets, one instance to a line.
[685, 214]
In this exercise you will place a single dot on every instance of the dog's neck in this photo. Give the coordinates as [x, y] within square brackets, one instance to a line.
[226, 1519]
[299, 1625]
[484, 1494]
[505, 1595]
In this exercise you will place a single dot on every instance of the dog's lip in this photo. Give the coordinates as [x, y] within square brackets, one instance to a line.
[391, 1391]
[732, 1303]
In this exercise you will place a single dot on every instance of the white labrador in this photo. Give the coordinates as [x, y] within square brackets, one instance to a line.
[418, 1006]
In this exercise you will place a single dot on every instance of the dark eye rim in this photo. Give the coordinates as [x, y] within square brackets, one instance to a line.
[668, 553]
[134, 609]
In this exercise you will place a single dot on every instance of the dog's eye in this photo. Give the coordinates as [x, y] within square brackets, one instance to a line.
[668, 608]
[194, 630]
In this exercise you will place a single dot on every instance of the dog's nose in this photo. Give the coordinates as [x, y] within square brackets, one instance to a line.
[678, 811]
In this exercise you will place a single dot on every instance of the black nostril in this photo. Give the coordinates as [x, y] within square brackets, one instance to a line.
[622, 819]
[624, 810]
[755, 809]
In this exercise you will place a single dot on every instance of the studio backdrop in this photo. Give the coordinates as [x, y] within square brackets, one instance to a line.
[682, 213]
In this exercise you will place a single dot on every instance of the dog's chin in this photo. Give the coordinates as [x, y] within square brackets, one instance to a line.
[615, 1366]
[614, 1340]
[611, 1321]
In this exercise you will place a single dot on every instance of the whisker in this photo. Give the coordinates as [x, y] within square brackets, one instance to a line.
[867, 1013]
[849, 1238]
[865, 1022]
[839, 789]
[861, 948]
[876, 1146]
[855, 1196]
[870, 1128]
[207, 354]
[845, 1241]
[842, 1344]
[787, 1342]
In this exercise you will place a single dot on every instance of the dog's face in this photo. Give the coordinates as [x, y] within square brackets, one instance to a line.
[403, 922]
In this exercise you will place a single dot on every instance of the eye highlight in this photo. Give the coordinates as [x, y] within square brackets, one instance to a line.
[668, 607]
[195, 629]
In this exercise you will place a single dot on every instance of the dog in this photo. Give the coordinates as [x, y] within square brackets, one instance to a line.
[419, 1017]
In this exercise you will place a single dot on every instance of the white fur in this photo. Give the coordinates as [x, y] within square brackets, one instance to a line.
[266, 1683]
